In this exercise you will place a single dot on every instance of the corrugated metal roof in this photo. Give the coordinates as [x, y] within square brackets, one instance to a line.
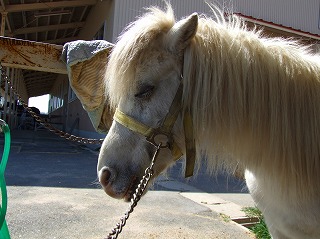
[127, 11]
[278, 26]
[297, 14]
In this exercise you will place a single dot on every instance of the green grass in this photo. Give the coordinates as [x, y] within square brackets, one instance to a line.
[260, 229]
[225, 218]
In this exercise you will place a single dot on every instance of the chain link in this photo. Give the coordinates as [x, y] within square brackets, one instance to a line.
[136, 197]
[42, 121]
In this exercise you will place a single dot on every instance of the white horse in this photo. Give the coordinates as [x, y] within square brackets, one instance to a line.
[254, 102]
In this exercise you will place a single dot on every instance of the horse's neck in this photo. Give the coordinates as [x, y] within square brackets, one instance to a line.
[258, 101]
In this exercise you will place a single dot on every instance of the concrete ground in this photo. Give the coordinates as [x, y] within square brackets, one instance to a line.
[53, 193]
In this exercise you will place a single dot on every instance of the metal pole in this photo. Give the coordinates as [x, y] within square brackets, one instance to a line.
[12, 79]
[5, 107]
[3, 24]
[1, 100]
[14, 98]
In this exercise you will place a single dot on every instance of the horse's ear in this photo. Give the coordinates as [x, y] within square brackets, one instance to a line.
[182, 32]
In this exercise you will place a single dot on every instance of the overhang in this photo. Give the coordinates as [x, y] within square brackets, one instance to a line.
[33, 23]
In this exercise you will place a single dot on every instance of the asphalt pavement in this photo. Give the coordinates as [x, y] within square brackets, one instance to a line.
[53, 193]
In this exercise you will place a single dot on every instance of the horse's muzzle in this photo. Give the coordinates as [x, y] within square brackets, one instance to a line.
[107, 178]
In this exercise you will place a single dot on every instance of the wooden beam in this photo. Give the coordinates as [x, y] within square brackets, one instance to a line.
[48, 28]
[27, 74]
[3, 6]
[8, 24]
[62, 40]
[40, 78]
[31, 55]
[3, 23]
[48, 5]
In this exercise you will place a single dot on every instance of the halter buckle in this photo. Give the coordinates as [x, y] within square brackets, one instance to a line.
[161, 138]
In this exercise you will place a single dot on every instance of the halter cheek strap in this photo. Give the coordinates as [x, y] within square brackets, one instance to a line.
[152, 134]
[132, 124]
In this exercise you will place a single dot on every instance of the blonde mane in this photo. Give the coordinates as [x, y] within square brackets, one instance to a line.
[257, 99]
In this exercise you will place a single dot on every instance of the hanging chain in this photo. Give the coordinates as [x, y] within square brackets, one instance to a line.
[136, 196]
[42, 121]
[143, 182]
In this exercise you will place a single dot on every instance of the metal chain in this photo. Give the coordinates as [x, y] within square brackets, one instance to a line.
[141, 186]
[42, 121]
[136, 197]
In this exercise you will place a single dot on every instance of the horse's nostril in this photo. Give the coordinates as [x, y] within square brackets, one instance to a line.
[104, 178]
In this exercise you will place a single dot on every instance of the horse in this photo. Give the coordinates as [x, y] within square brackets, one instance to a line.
[253, 101]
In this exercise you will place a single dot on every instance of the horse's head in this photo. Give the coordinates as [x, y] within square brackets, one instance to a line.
[142, 79]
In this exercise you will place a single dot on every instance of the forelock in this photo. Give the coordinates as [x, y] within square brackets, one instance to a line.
[132, 43]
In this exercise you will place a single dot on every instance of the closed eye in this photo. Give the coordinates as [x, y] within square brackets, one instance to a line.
[145, 92]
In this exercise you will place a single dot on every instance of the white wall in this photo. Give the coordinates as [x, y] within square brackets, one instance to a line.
[126, 11]
[298, 14]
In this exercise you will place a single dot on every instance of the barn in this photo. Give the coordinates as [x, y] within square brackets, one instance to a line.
[34, 32]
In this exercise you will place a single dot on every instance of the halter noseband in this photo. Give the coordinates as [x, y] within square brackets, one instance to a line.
[153, 135]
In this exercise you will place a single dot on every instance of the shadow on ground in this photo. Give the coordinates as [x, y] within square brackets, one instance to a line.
[40, 158]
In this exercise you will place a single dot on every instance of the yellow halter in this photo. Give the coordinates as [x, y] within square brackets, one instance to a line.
[152, 134]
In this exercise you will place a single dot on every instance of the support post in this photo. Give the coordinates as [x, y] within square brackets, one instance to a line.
[3, 23]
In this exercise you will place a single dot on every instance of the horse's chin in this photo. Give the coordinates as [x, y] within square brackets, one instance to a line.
[128, 195]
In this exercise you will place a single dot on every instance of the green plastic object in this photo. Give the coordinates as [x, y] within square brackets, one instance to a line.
[4, 231]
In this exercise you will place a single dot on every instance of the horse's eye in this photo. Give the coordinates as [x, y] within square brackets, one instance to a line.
[145, 92]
